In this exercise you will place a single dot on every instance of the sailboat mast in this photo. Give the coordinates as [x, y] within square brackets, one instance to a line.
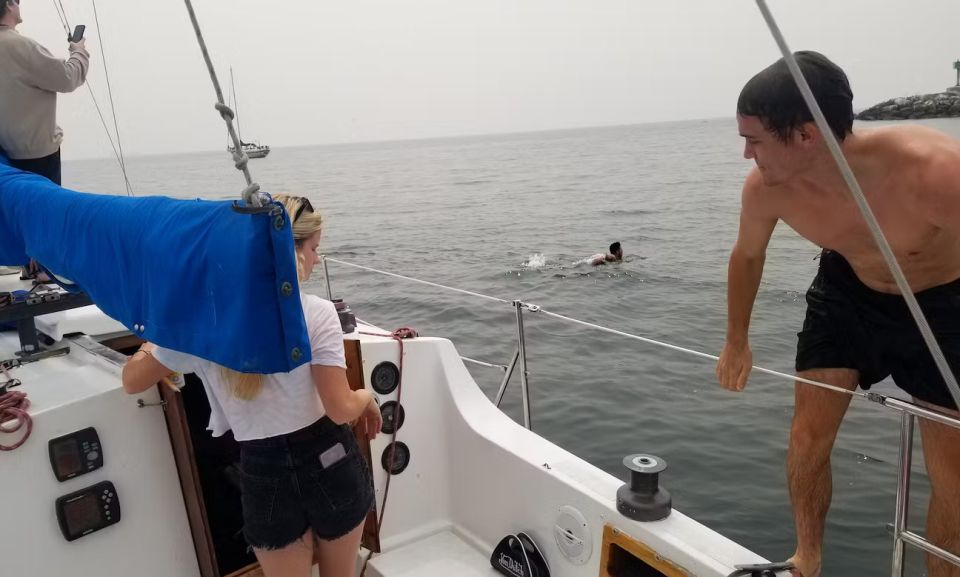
[230, 100]
[236, 105]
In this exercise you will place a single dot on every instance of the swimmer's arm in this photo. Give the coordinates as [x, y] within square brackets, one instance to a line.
[757, 221]
[938, 195]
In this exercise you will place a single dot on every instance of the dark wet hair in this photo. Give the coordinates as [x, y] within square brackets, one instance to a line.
[615, 248]
[774, 98]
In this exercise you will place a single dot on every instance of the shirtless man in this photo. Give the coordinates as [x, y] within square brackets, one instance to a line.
[858, 329]
[615, 255]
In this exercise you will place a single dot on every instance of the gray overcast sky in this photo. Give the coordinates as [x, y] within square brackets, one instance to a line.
[318, 71]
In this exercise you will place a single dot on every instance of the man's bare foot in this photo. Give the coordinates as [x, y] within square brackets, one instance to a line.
[804, 568]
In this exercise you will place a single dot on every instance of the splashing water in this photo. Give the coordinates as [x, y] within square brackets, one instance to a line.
[535, 260]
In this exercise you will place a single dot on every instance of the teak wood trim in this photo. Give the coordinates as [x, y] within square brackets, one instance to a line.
[613, 536]
[189, 475]
[351, 348]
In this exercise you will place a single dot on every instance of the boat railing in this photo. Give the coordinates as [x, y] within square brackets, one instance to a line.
[909, 412]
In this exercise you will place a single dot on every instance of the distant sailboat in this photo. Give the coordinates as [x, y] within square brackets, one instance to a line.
[252, 149]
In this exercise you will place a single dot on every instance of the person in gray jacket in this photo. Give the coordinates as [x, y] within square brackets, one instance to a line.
[30, 78]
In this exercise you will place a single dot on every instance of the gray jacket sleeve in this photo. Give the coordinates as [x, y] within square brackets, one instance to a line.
[47, 72]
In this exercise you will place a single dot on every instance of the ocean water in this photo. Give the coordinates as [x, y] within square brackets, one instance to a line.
[515, 216]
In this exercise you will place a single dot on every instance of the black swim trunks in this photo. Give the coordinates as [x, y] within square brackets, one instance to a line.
[851, 326]
[48, 166]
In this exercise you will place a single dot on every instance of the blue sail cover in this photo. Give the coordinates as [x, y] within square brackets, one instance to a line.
[194, 276]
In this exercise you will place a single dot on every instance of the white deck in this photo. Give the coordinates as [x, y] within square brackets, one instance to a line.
[474, 477]
[440, 555]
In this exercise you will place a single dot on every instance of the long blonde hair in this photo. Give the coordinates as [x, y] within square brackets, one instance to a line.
[306, 223]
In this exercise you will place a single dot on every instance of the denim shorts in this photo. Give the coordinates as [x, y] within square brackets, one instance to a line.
[286, 489]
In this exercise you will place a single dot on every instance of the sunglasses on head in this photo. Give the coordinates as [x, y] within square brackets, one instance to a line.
[304, 205]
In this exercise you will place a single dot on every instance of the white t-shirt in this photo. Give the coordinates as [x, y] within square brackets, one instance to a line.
[287, 401]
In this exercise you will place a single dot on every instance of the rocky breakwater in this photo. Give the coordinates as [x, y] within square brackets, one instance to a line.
[942, 105]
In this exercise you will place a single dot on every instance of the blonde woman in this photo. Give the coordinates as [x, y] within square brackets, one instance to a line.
[302, 472]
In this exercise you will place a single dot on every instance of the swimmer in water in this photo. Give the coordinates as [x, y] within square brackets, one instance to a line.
[615, 255]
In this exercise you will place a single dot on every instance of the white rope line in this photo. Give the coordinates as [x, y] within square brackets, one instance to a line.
[61, 13]
[236, 106]
[113, 109]
[240, 158]
[485, 364]
[106, 129]
[922, 412]
[862, 203]
[416, 280]
[702, 355]
[883, 400]
[601, 328]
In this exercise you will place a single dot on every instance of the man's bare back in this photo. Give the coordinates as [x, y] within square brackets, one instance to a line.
[893, 166]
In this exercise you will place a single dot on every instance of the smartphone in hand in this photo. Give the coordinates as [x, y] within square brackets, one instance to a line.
[77, 35]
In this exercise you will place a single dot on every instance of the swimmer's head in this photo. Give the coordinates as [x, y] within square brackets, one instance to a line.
[616, 251]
